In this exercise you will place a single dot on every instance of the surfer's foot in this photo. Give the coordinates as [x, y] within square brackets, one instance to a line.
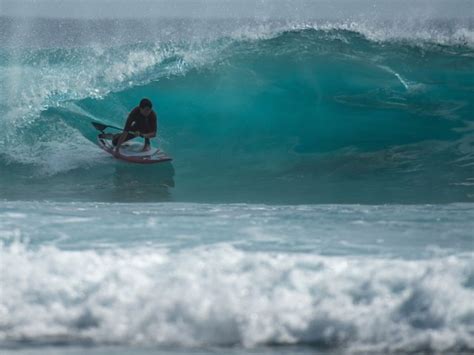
[146, 148]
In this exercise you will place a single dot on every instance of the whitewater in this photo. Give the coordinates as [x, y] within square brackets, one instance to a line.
[320, 199]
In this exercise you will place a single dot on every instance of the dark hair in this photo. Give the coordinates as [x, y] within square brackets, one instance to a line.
[145, 103]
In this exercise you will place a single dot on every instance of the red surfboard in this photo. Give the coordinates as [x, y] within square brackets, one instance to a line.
[132, 152]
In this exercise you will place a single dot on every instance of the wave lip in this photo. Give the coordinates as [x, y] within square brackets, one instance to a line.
[222, 296]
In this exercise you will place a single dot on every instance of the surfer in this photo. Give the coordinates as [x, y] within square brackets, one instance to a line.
[141, 122]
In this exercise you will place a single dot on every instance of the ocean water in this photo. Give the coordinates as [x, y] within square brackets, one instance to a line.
[320, 200]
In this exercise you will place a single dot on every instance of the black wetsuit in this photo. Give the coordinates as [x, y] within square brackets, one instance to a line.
[137, 122]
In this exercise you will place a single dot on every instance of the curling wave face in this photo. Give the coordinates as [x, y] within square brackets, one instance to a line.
[278, 112]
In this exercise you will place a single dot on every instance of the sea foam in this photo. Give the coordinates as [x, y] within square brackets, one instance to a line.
[222, 296]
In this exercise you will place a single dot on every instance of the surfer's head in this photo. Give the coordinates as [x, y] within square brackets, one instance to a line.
[145, 107]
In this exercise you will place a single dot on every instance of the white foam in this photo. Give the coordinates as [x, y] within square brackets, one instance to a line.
[409, 31]
[35, 87]
[224, 296]
[66, 149]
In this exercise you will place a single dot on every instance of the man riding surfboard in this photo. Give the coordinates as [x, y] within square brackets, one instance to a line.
[141, 122]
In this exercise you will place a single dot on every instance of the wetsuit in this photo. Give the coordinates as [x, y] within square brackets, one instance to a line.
[137, 122]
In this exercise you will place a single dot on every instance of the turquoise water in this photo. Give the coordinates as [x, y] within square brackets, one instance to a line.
[320, 199]
[303, 115]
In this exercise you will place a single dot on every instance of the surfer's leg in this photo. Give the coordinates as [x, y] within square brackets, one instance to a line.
[117, 137]
[106, 136]
[147, 144]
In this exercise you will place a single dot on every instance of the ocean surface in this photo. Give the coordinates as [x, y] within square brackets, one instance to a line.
[320, 200]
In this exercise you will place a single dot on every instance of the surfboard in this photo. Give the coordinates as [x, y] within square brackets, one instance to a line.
[132, 152]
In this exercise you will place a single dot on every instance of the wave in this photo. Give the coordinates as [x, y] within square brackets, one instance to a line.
[304, 107]
[235, 298]
[58, 33]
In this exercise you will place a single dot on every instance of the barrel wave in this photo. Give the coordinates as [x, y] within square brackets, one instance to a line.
[303, 115]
